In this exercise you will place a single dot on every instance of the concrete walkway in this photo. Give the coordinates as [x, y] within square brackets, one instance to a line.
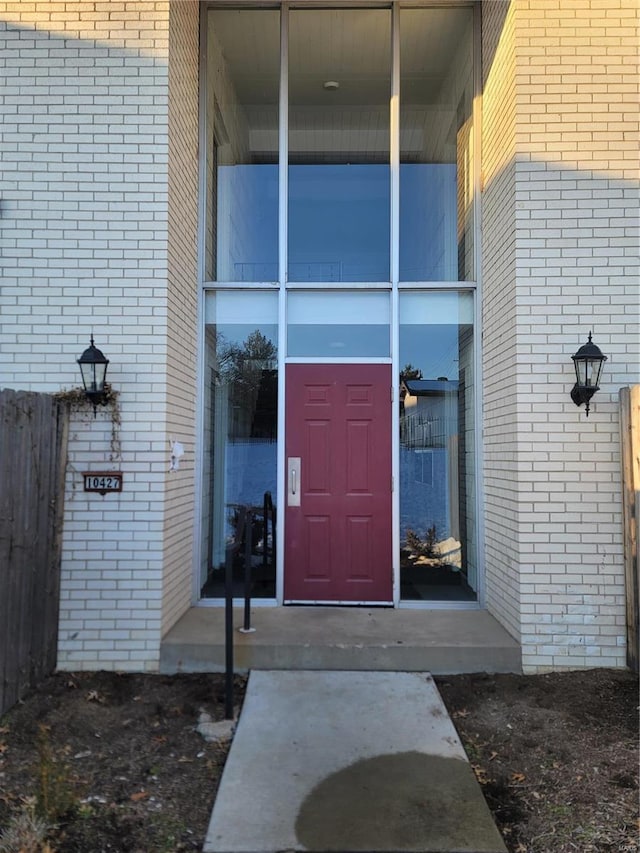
[351, 762]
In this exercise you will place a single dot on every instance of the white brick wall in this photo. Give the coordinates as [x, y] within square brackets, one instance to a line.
[85, 243]
[500, 502]
[575, 259]
[183, 304]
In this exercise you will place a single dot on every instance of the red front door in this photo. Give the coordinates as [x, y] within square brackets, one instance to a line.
[338, 509]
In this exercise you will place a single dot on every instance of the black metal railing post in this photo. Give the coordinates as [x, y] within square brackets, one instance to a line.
[248, 548]
[228, 617]
[228, 634]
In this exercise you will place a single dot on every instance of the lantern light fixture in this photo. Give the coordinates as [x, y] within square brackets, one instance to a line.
[93, 367]
[588, 363]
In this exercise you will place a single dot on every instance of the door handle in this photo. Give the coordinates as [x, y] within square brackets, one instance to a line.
[293, 481]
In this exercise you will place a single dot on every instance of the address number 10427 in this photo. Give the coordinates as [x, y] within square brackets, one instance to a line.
[102, 481]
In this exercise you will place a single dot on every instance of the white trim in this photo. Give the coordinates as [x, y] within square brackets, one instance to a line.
[339, 603]
[394, 147]
[240, 285]
[281, 488]
[200, 366]
[478, 381]
[336, 360]
[283, 191]
[395, 443]
[394, 161]
[437, 285]
[338, 285]
[283, 152]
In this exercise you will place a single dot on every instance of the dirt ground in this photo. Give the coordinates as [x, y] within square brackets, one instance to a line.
[98, 762]
[556, 755]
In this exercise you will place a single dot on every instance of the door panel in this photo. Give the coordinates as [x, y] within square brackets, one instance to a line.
[338, 539]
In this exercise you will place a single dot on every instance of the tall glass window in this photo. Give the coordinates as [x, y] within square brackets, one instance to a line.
[438, 559]
[240, 448]
[243, 79]
[338, 324]
[339, 177]
[336, 288]
[436, 188]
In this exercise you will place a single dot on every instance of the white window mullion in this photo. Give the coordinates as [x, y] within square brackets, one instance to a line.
[477, 271]
[394, 149]
[283, 188]
[283, 173]
[203, 154]
[394, 144]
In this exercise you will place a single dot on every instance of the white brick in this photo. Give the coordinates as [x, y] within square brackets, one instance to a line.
[545, 157]
[76, 200]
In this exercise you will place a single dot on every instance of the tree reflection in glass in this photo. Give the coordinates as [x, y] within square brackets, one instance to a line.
[437, 456]
[243, 403]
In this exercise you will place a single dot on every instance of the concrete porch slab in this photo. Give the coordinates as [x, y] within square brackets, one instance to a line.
[354, 762]
[343, 638]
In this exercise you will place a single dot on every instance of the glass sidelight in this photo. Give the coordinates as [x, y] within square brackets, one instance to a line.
[436, 144]
[438, 559]
[243, 79]
[241, 405]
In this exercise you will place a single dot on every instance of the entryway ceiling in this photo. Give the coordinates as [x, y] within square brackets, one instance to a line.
[349, 46]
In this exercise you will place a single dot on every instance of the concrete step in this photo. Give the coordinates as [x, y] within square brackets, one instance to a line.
[342, 638]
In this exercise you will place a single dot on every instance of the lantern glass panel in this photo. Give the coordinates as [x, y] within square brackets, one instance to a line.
[581, 371]
[93, 376]
[594, 368]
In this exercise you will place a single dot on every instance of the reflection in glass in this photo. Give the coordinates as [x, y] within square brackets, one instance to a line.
[436, 99]
[241, 403]
[338, 324]
[339, 184]
[243, 74]
[438, 559]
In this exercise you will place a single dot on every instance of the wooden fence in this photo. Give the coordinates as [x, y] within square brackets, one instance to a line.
[33, 447]
[630, 447]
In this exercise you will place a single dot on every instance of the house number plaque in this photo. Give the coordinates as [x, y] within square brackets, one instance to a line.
[102, 481]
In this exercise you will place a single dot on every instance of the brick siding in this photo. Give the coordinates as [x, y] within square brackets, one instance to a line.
[94, 239]
[568, 264]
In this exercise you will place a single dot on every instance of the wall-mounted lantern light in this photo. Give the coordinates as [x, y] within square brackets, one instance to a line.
[588, 362]
[93, 367]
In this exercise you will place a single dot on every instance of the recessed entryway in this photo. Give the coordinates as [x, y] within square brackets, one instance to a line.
[341, 235]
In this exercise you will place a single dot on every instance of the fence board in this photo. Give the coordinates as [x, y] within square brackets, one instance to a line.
[56, 517]
[33, 440]
[41, 456]
[5, 523]
[630, 456]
